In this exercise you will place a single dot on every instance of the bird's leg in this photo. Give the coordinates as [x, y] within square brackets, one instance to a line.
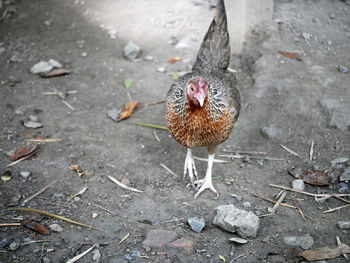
[207, 183]
[190, 167]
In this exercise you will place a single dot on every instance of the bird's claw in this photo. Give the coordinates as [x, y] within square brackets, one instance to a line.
[205, 184]
[190, 168]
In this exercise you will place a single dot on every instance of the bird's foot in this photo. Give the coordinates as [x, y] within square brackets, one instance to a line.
[205, 183]
[190, 167]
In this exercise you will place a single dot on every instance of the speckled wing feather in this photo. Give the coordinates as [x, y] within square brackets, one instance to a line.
[214, 52]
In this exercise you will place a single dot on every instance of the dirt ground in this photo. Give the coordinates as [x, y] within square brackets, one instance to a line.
[88, 38]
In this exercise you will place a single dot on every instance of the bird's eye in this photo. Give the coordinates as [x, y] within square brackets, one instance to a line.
[191, 88]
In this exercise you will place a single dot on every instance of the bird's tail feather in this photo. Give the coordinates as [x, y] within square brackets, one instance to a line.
[214, 52]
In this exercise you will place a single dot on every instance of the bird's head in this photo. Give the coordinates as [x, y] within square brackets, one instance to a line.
[197, 91]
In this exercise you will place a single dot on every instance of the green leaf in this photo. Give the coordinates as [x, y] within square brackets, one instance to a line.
[127, 83]
[223, 259]
[6, 178]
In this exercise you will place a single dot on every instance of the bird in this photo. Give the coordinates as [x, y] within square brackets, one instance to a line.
[202, 106]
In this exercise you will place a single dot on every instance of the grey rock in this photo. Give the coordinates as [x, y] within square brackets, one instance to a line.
[55, 63]
[96, 255]
[307, 36]
[339, 114]
[46, 260]
[56, 228]
[41, 67]
[305, 241]
[33, 124]
[132, 51]
[343, 225]
[332, 16]
[113, 114]
[132, 255]
[339, 160]
[271, 132]
[27, 239]
[247, 205]
[76, 199]
[84, 54]
[2, 50]
[237, 197]
[345, 176]
[235, 220]
[343, 69]
[9, 153]
[173, 40]
[238, 240]
[3, 242]
[14, 201]
[14, 246]
[196, 224]
[25, 174]
[161, 69]
[298, 184]
[33, 118]
[342, 187]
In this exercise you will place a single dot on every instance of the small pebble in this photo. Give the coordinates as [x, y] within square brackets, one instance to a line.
[14, 246]
[76, 199]
[27, 239]
[25, 174]
[3, 242]
[332, 16]
[46, 260]
[161, 69]
[148, 58]
[84, 54]
[132, 51]
[55, 227]
[94, 215]
[96, 255]
[298, 184]
[237, 197]
[307, 36]
[238, 240]
[247, 205]
[196, 224]
[342, 188]
[343, 69]
[343, 225]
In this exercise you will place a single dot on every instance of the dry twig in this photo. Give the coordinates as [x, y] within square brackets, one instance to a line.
[151, 103]
[338, 243]
[43, 140]
[283, 195]
[10, 224]
[168, 170]
[77, 257]
[25, 209]
[307, 193]
[39, 192]
[297, 206]
[290, 151]
[273, 201]
[123, 185]
[104, 209]
[21, 159]
[311, 154]
[336, 208]
[124, 238]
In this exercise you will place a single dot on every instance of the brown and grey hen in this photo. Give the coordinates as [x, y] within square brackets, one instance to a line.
[203, 105]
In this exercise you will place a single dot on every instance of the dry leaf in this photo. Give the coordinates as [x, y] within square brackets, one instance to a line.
[313, 177]
[75, 167]
[36, 226]
[56, 72]
[292, 55]
[24, 151]
[325, 252]
[173, 60]
[129, 108]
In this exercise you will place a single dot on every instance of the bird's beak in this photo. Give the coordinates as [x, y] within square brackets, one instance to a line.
[201, 101]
